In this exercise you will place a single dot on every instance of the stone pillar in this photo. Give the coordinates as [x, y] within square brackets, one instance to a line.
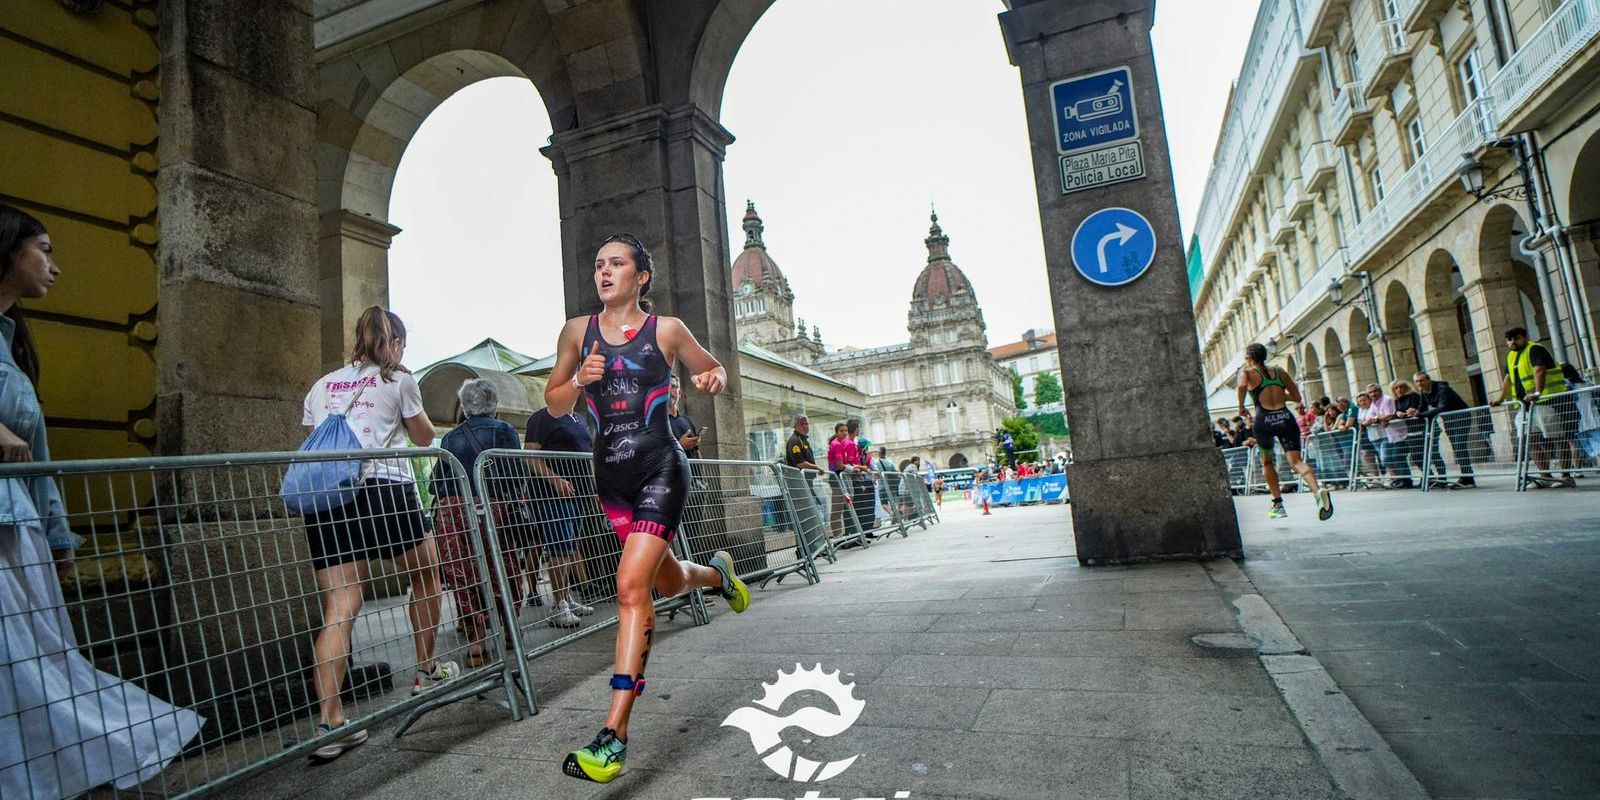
[1335, 378]
[657, 173]
[353, 250]
[1585, 251]
[1361, 368]
[1496, 306]
[240, 338]
[1149, 322]
[1441, 344]
[1402, 348]
[239, 346]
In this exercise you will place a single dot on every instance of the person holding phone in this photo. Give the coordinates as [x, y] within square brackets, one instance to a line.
[682, 426]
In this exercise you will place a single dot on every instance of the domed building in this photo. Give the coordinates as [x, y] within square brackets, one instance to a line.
[763, 305]
[939, 395]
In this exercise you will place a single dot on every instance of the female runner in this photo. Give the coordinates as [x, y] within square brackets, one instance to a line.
[619, 362]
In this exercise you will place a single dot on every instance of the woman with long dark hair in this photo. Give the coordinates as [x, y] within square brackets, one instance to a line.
[65, 727]
[383, 406]
[619, 364]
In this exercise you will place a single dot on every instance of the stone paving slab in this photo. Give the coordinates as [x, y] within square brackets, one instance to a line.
[1467, 637]
[990, 664]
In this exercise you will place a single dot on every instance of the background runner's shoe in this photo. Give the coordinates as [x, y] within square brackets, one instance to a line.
[733, 589]
[1324, 503]
[337, 747]
[1277, 512]
[600, 761]
[443, 672]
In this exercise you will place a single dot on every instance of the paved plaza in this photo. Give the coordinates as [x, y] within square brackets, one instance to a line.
[991, 665]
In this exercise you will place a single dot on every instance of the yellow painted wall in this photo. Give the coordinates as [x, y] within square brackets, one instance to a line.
[78, 150]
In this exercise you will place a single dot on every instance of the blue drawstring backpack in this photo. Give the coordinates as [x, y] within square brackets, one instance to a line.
[317, 487]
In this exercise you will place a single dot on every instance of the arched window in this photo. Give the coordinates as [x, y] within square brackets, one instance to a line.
[952, 418]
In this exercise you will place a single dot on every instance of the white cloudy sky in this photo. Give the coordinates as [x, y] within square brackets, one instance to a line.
[911, 102]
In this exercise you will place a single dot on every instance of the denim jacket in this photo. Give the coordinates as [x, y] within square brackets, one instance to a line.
[19, 411]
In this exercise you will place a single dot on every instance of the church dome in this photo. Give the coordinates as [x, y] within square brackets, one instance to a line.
[942, 283]
[754, 265]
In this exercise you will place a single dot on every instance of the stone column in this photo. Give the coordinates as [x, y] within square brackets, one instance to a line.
[1585, 250]
[240, 338]
[1120, 441]
[1441, 344]
[1361, 368]
[657, 173]
[353, 250]
[240, 343]
[1496, 306]
[1403, 349]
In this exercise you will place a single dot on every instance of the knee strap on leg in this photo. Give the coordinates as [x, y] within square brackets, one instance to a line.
[628, 683]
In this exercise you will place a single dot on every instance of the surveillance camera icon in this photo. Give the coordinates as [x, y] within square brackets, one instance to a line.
[1093, 108]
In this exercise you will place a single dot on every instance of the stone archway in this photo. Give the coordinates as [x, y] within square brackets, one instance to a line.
[1399, 326]
[1336, 379]
[1360, 363]
[358, 159]
[958, 461]
[1444, 324]
[633, 92]
[1504, 293]
[1312, 386]
[1583, 233]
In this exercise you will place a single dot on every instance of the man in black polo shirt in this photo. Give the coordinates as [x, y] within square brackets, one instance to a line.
[1464, 440]
[797, 451]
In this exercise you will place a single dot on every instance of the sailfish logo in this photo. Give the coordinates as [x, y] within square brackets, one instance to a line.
[622, 363]
[764, 727]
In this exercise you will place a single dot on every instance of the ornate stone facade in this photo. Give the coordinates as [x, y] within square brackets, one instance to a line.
[939, 395]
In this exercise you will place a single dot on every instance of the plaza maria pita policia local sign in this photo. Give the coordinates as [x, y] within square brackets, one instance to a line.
[1097, 129]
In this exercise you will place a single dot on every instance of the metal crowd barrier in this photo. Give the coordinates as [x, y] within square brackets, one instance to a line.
[199, 631]
[1238, 461]
[200, 602]
[1547, 444]
[1331, 454]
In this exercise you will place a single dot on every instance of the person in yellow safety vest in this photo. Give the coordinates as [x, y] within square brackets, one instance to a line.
[1534, 377]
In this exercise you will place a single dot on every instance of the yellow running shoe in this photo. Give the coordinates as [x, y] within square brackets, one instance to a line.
[600, 761]
[733, 589]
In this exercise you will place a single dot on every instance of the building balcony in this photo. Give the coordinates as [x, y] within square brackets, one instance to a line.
[1385, 58]
[1281, 227]
[1319, 20]
[1421, 15]
[1298, 202]
[1350, 116]
[1313, 294]
[1265, 256]
[1317, 168]
[1432, 174]
[1538, 74]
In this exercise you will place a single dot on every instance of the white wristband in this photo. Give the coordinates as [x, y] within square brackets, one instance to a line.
[575, 383]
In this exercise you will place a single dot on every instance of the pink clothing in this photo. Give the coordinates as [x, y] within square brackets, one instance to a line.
[842, 453]
[1384, 407]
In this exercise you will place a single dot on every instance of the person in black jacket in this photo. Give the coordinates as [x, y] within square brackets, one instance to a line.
[1467, 439]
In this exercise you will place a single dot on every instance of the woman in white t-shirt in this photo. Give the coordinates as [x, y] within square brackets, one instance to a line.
[383, 522]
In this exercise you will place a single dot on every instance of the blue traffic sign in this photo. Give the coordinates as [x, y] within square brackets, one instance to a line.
[1094, 110]
[1113, 246]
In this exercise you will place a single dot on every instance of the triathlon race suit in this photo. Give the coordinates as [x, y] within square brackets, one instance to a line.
[640, 471]
[1278, 425]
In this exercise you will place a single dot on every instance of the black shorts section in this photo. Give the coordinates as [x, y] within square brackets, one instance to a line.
[383, 522]
[1277, 428]
[655, 485]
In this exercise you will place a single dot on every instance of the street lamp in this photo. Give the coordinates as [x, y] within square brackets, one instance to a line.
[1471, 174]
[1369, 302]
